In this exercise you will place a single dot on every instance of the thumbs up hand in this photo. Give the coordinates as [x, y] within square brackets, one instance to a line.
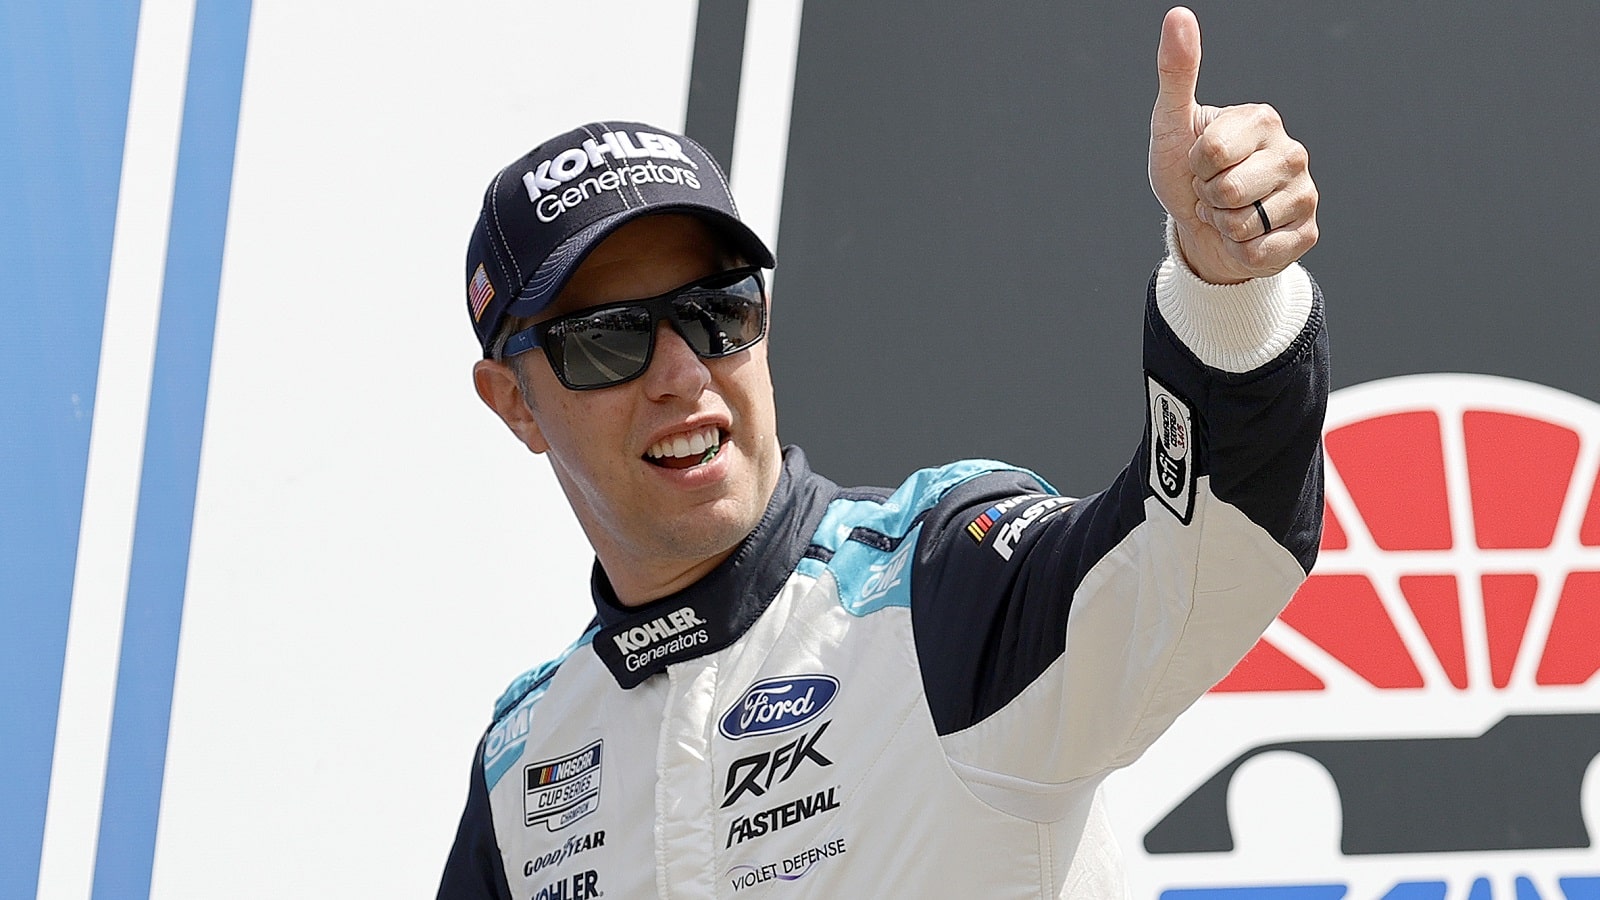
[1236, 185]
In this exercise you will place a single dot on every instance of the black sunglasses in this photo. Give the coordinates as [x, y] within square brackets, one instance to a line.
[602, 346]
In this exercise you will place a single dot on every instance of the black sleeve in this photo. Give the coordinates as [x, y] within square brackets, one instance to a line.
[1133, 603]
[994, 622]
[474, 870]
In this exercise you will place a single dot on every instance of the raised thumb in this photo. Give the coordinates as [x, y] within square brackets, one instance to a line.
[1178, 62]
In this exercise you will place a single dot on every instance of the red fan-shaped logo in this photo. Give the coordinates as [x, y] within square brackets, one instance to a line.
[1461, 544]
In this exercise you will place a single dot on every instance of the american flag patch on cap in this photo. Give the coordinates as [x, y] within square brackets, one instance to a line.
[479, 292]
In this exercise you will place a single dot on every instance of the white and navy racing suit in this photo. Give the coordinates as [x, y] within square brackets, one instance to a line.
[918, 692]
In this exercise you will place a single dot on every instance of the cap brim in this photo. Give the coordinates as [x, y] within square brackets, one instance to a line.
[542, 288]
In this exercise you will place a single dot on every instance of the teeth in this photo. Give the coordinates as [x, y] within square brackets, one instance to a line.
[694, 443]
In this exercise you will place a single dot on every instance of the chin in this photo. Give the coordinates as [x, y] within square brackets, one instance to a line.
[713, 530]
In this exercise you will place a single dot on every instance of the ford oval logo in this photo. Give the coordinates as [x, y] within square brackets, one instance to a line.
[778, 704]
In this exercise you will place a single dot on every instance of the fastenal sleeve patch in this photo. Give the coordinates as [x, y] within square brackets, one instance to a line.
[1171, 449]
[979, 528]
[1033, 508]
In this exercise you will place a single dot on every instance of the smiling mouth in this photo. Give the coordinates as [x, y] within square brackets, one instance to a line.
[685, 451]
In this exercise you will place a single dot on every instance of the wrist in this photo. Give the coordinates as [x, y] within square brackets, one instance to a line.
[1234, 327]
[1186, 258]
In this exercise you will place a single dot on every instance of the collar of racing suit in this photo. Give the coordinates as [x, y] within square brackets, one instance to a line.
[715, 611]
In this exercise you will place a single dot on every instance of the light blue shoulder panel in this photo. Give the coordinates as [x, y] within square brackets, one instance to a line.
[503, 747]
[872, 578]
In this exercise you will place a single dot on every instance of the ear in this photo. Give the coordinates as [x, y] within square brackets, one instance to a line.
[498, 388]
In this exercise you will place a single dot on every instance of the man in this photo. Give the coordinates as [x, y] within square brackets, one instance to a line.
[796, 690]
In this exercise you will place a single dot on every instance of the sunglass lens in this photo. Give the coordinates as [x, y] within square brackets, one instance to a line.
[610, 346]
[719, 320]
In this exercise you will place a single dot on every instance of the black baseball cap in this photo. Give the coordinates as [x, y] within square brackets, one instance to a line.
[543, 213]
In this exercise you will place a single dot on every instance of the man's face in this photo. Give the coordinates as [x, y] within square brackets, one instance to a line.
[657, 522]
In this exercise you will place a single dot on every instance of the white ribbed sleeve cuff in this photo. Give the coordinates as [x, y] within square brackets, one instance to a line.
[1232, 327]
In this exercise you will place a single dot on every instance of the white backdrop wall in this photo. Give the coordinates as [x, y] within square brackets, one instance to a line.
[373, 556]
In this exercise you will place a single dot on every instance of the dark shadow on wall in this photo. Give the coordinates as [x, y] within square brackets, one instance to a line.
[967, 229]
[1518, 786]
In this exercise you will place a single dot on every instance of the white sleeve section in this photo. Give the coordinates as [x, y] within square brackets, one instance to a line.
[1154, 625]
[1232, 327]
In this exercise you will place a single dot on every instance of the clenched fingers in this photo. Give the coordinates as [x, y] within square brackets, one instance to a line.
[1253, 187]
[1285, 200]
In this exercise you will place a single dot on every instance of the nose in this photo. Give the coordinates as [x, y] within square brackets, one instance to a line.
[675, 370]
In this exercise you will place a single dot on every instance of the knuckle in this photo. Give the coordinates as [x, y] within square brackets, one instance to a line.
[1236, 229]
[1267, 115]
[1227, 193]
[1208, 153]
[1256, 256]
[1307, 207]
[1243, 255]
[1296, 156]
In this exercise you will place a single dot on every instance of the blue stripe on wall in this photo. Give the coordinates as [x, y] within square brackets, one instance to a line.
[182, 372]
[65, 71]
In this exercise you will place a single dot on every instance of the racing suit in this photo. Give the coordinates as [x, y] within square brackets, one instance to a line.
[918, 692]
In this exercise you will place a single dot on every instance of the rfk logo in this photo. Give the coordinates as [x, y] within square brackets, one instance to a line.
[755, 774]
